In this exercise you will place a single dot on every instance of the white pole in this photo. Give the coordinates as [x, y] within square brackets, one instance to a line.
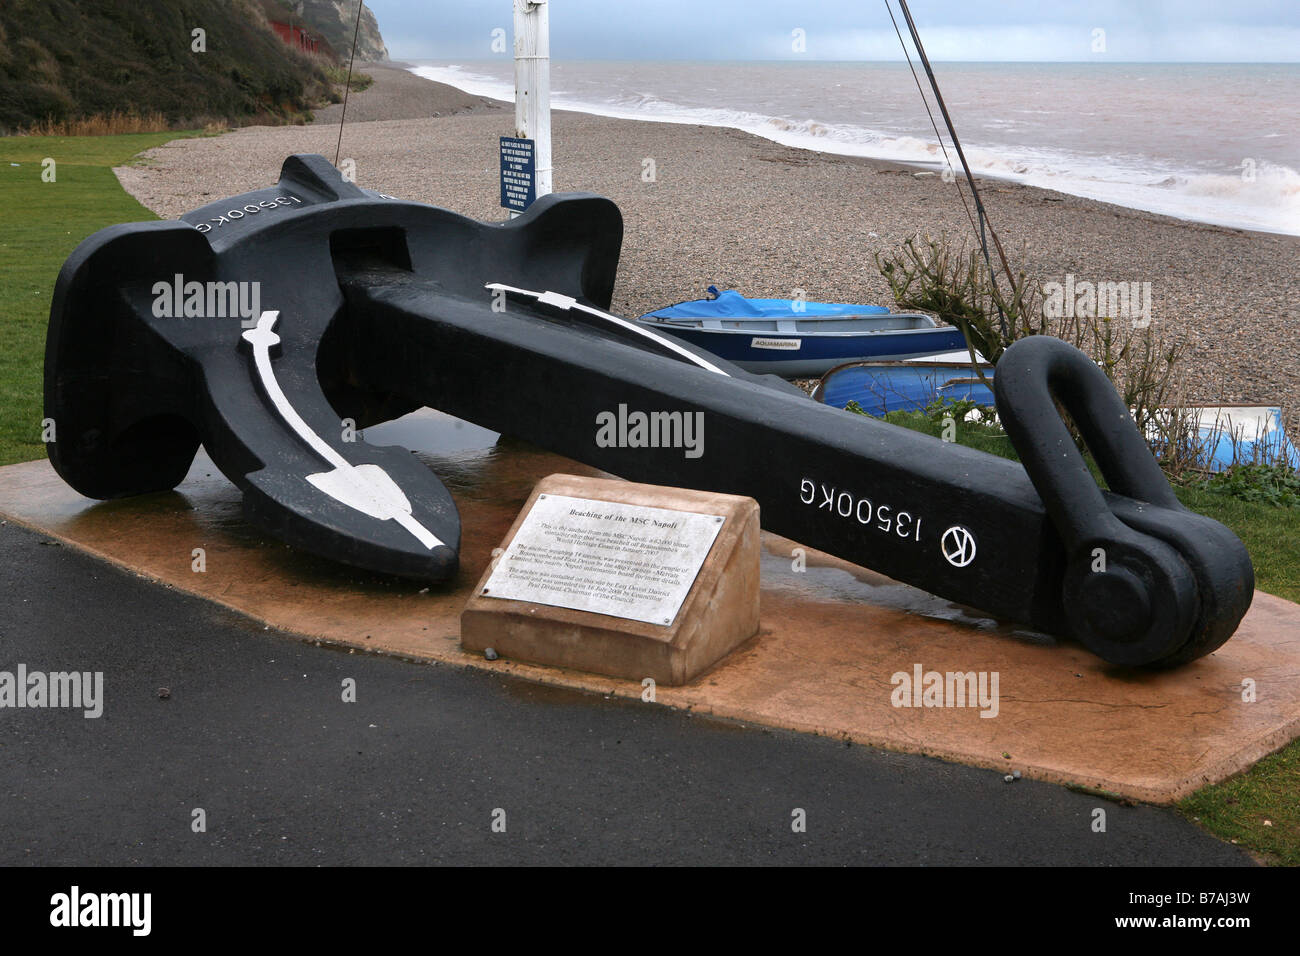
[533, 84]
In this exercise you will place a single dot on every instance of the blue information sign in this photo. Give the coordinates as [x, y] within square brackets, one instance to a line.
[518, 173]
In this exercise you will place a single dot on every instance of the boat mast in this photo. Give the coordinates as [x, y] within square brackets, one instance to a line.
[961, 156]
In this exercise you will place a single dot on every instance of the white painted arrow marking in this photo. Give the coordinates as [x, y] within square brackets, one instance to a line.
[365, 488]
[567, 302]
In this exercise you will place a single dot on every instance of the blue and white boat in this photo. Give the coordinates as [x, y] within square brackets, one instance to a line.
[881, 387]
[1241, 434]
[798, 339]
[1228, 434]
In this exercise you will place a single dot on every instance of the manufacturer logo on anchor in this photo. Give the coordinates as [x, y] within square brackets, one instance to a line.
[958, 546]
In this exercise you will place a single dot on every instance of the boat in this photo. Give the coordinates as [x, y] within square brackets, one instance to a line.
[1237, 434]
[879, 387]
[1227, 434]
[797, 339]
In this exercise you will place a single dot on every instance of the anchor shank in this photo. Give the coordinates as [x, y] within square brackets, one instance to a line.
[872, 493]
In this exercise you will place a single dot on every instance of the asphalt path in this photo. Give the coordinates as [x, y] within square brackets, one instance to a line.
[206, 710]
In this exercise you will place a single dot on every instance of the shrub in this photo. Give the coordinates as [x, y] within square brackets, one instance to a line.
[1143, 362]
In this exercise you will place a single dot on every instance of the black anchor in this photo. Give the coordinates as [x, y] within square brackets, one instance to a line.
[371, 307]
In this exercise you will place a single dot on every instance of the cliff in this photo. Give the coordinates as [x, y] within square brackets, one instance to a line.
[336, 20]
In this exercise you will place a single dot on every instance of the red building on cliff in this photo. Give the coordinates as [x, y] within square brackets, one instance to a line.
[297, 36]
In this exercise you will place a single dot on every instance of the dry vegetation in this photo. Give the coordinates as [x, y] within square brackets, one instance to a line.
[1143, 361]
[109, 124]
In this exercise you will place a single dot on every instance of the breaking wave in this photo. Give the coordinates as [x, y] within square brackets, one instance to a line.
[1261, 196]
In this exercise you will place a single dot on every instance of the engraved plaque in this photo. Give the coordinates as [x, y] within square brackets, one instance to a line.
[629, 561]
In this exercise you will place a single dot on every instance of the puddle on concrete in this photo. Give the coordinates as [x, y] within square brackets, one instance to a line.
[864, 586]
[474, 463]
[431, 432]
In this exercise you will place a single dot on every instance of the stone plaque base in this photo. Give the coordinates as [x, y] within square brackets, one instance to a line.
[719, 612]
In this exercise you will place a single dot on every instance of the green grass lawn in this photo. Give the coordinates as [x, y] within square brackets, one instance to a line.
[1258, 809]
[1238, 809]
[40, 224]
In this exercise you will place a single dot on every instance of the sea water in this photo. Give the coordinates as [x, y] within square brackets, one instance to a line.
[1216, 143]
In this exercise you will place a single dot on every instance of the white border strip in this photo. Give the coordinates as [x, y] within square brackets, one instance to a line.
[566, 303]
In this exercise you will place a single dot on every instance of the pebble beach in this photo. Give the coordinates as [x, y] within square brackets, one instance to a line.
[730, 209]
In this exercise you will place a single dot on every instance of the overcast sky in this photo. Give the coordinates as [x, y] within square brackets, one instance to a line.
[1141, 30]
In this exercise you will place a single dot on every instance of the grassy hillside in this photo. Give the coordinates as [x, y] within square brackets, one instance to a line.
[66, 59]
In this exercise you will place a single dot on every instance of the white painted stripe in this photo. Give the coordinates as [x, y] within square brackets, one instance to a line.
[566, 303]
[365, 488]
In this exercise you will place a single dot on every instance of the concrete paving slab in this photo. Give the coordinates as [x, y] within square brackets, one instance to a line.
[833, 644]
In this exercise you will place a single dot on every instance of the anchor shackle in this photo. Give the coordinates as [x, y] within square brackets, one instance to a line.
[1128, 596]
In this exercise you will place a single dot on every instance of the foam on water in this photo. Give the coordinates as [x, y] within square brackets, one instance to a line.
[1182, 169]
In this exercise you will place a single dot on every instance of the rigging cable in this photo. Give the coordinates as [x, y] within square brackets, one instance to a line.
[356, 32]
[930, 113]
[970, 179]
